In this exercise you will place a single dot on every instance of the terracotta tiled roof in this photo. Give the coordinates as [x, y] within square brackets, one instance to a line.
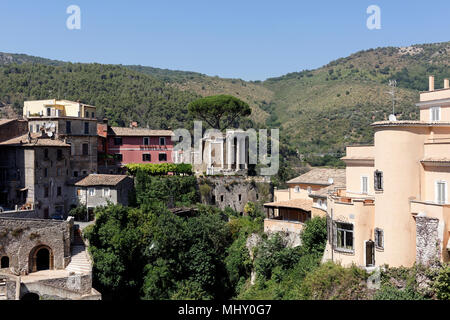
[101, 180]
[36, 140]
[321, 176]
[3, 121]
[141, 132]
[303, 204]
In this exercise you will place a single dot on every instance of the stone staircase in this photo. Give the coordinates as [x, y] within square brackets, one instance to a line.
[79, 262]
[3, 289]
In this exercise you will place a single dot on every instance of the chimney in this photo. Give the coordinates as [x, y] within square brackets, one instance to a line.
[133, 124]
[431, 83]
[446, 84]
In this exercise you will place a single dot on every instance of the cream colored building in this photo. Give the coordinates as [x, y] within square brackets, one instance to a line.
[395, 208]
[58, 108]
[305, 198]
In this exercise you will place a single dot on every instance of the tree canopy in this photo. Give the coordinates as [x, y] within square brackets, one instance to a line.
[219, 111]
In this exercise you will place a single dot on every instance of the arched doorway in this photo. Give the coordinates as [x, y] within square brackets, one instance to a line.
[30, 296]
[41, 258]
[4, 262]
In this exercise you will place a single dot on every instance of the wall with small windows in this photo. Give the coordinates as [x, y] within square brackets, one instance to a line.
[141, 149]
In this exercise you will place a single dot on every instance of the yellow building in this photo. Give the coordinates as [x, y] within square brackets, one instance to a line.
[395, 208]
[305, 198]
[58, 108]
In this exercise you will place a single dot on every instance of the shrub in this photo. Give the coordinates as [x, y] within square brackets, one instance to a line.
[332, 281]
[442, 283]
[389, 292]
[314, 236]
[78, 213]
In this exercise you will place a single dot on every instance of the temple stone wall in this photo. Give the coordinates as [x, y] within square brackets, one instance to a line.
[427, 240]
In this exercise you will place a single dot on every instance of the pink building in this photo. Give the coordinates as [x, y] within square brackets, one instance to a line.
[137, 145]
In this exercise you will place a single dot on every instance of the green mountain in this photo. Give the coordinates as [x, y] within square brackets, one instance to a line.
[318, 111]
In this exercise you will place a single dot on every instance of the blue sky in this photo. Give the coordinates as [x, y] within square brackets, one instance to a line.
[251, 40]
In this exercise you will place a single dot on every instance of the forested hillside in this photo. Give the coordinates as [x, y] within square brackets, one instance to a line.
[318, 111]
[120, 94]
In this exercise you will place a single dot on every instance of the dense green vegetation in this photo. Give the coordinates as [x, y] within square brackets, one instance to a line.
[159, 168]
[120, 94]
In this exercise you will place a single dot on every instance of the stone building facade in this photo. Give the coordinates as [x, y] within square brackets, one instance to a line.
[33, 244]
[234, 191]
[100, 189]
[33, 174]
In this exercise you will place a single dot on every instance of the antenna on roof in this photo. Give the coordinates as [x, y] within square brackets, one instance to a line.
[393, 85]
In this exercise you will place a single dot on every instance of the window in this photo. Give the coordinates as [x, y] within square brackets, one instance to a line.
[221, 198]
[5, 262]
[379, 238]
[344, 236]
[441, 192]
[378, 180]
[58, 172]
[37, 128]
[58, 191]
[46, 153]
[45, 172]
[49, 112]
[435, 113]
[87, 114]
[106, 192]
[162, 157]
[68, 127]
[162, 141]
[309, 190]
[59, 154]
[91, 192]
[75, 174]
[85, 149]
[93, 115]
[146, 157]
[84, 172]
[240, 197]
[86, 128]
[118, 141]
[31, 128]
[146, 141]
[45, 192]
[297, 189]
[364, 184]
[46, 213]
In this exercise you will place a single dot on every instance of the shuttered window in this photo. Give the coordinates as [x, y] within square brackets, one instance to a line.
[378, 180]
[364, 185]
[441, 192]
[435, 113]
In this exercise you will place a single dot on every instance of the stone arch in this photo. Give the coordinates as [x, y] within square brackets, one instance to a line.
[4, 262]
[41, 258]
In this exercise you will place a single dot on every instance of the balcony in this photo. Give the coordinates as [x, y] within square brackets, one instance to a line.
[278, 225]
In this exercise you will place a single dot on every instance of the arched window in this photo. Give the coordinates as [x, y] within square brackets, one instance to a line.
[4, 262]
[297, 189]
[309, 190]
